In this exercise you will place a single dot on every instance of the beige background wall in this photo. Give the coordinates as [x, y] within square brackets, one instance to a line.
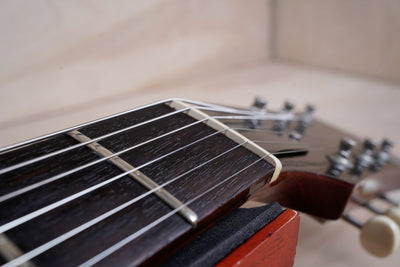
[358, 36]
[59, 57]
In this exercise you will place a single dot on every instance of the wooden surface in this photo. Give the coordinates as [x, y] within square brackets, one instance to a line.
[274, 245]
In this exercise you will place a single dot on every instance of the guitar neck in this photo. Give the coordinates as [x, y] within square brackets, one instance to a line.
[90, 204]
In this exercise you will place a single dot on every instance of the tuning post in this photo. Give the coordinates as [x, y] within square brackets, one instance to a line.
[305, 121]
[259, 106]
[380, 235]
[340, 161]
[382, 156]
[368, 205]
[392, 212]
[281, 125]
[365, 159]
[389, 200]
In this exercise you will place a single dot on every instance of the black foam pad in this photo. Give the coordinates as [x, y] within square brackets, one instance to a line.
[224, 237]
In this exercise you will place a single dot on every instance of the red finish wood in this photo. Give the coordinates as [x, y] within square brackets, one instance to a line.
[315, 194]
[274, 245]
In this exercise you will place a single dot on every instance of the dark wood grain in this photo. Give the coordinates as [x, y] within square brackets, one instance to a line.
[154, 245]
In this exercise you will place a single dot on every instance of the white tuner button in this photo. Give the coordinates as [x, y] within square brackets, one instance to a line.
[380, 236]
[394, 214]
[368, 188]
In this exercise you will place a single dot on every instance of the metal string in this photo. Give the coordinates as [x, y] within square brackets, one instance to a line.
[32, 215]
[40, 138]
[223, 109]
[61, 175]
[52, 243]
[39, 250]
[133, 236]
[52, 154]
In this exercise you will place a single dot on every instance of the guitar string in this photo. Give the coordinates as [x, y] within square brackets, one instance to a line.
[16, 222]
[32, 215]
[61, 175]
[236, 117]
[52, 154]
[40, 138]
[143, 230]
[218, 117]
[52, 243]
[265, 130]
[37, 251]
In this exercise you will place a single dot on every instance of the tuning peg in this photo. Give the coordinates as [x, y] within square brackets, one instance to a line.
[380, 235]
[305, 121]
[369, 188]
[383, 155]
[281, 125]
[340, 161]
[365, 159]
[259, 106]
[392, 212]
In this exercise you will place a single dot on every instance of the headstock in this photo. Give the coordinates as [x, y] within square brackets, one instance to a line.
[326, 172]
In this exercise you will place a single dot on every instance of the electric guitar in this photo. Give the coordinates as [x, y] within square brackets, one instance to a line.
[137, 187]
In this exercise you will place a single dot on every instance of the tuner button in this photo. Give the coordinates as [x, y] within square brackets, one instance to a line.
[380, 236]
[368, 188]
[394, 214]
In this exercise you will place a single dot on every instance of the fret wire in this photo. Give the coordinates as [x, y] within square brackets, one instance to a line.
[61, 175]
[261, 117]
[32, 215]
[40, 138]
[133, 236]
[138, 176]
[25, 163]
[58, 240]
[80, 126]
[50, 244]
[52, 154]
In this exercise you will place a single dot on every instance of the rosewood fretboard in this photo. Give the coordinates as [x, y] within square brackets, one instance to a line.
[215, 176]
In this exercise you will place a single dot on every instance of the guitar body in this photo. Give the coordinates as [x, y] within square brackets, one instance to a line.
[274, 245]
